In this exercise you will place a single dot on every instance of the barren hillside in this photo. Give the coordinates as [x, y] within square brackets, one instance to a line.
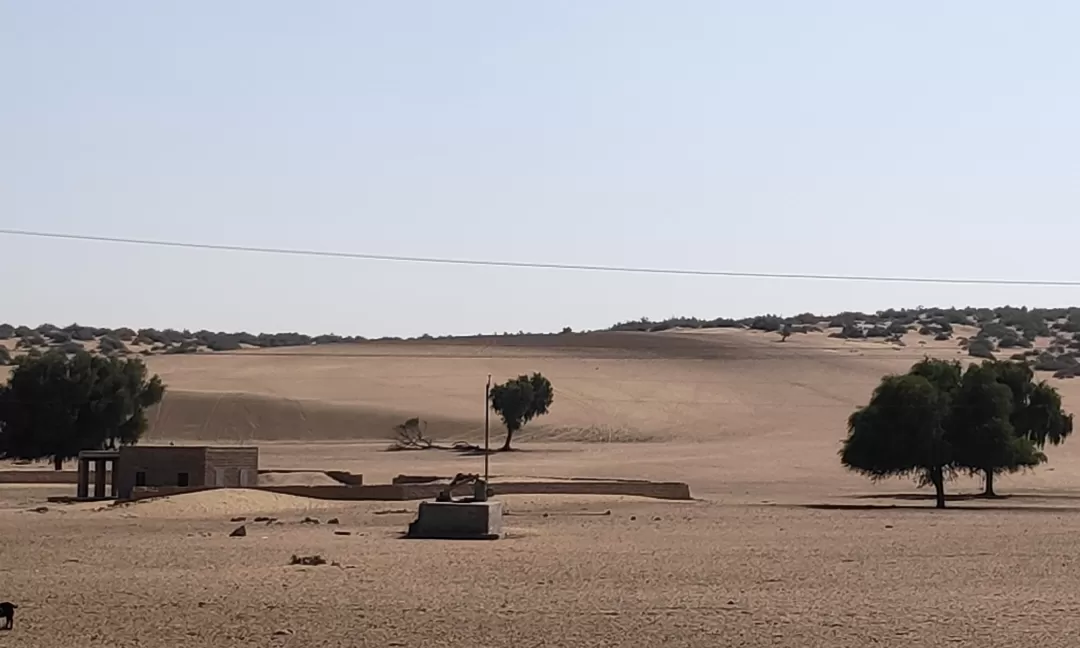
[610, 386]
[698, 385]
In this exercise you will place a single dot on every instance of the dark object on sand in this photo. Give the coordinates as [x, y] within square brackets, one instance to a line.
[7, 613]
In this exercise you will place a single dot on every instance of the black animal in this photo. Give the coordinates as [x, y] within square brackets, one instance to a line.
[7, 613]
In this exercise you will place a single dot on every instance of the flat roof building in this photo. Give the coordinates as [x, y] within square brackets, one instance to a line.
[168, 466]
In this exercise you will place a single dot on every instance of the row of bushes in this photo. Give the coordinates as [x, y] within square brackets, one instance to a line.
[217, 341]
[645, 325]
[857, 331]
[1029, 323]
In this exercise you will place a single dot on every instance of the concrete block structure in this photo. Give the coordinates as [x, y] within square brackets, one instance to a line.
[169, 466]
[458, 520]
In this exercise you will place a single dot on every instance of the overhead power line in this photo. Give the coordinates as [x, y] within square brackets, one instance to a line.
[540, 265]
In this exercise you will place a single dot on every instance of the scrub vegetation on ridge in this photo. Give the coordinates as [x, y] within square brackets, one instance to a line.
[1005, 330]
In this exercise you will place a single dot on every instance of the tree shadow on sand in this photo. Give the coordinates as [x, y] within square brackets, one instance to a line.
[965, 497]
[990, 504]
[472, 450]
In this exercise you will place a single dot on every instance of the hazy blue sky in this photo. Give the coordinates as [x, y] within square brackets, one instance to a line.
[918, 138]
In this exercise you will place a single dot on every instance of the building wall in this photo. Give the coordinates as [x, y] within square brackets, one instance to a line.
[657, 490]
[205, 466]
[403, 492]
[233, 467]
[39, 477]
[162, 465]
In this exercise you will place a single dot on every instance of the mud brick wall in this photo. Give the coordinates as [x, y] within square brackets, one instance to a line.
[232, 467]
[162, 465]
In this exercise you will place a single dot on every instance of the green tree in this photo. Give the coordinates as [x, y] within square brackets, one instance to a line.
[1037, 411]
[520, 400]
[981, 430]
[1043, 419]
[996, 419]
[901, 432]
[1036, 414]
[55, 405]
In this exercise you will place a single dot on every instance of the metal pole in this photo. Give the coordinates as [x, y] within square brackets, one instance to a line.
[487, 428]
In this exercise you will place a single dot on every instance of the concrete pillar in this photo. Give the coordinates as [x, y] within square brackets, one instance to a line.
[99, 478]
[83, 489]
[114, 481]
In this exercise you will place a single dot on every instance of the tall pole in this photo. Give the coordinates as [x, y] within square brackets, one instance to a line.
[487, 428]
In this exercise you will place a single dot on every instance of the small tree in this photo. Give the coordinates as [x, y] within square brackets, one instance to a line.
[901, 432]
[520, 400]
[55, 405]
[785, 332]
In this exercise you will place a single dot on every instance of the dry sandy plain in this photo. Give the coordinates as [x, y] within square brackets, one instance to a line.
[782, 548]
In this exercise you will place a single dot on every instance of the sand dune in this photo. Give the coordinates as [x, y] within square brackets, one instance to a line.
[219, 503]
[701, 385]
[609, 386]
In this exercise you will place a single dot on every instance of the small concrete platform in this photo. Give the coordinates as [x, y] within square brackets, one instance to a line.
[458, 520]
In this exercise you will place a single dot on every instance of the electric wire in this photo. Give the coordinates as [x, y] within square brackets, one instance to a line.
[538, 264]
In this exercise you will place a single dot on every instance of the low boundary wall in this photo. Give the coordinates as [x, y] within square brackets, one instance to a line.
[406, 492]
[40, 477]
[656, 490]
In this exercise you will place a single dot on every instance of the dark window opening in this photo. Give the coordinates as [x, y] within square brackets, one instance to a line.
[140, 478]
[182, 479]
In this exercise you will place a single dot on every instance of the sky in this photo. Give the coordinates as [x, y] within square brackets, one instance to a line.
[920, 138]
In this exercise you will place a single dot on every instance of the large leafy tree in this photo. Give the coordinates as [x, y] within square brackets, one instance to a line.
[901, 432]
[993, 418]
[56, 405]
[520, 400]
[1034, 413]
[981, 430]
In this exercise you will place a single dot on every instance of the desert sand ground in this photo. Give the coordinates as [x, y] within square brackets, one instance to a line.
[782, 548]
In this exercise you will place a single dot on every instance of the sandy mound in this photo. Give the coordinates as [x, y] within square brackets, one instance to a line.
[222, 501]
[313, 478]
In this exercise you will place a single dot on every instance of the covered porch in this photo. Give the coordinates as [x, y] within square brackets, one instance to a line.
[106, 463]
